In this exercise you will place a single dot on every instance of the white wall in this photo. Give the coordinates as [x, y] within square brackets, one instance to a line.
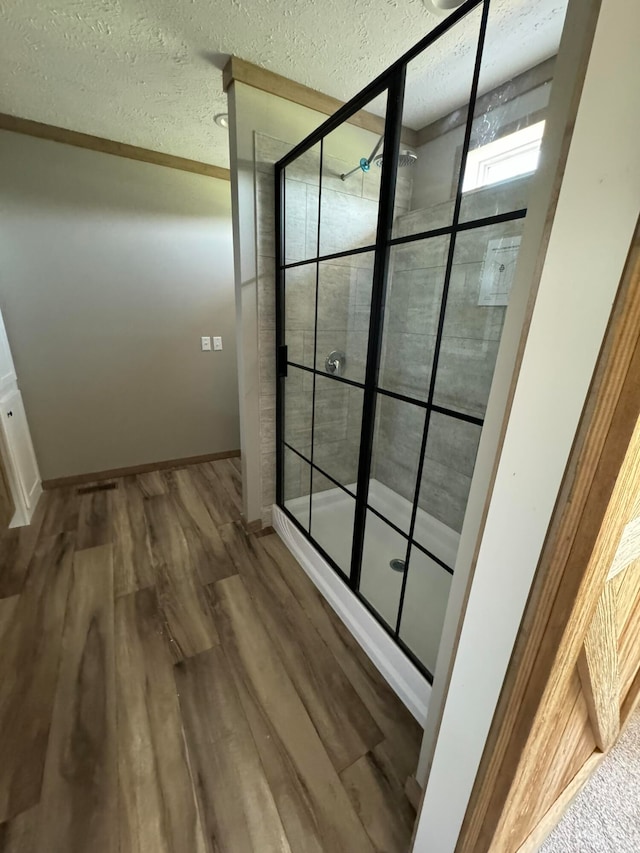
[596, 214]
[111, 271]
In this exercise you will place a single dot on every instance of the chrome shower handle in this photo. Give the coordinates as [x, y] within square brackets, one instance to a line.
[335, 363]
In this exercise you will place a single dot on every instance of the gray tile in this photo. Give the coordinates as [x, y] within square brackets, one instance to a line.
[355, 348]
[420, 254]
[346, 222]
[268, 424]
[499, 198]
[453, 443]
[265, 215]
[305, 168]
[300, 297]
[444, 494]
[338, 460]
[268, 151]
[371, 183]
[266, 293]
[296, 476]
[267, 352]
[464, 318]
[404, 191]
[465, 373]
[295, 222]
[399, 429]
[298, 410]
[364, 282]
[397, 475]
[471, 246]
[295, 346]
[268, 478]
[336, 291]
[425, 219]
[406, 363]
[319, 483]
[333, 168]
[330, 410]
[310, 232]
[354, 416]
[413, 302]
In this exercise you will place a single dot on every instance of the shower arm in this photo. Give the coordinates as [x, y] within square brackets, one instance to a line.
[365, 163]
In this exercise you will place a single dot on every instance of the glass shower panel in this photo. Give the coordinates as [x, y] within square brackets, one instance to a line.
[350, 186]
[500, 166]
[424, 607]
[332, 514]
[434, 113]
[344, 306]
[299, 313]
[382, 568]
[301, 183]
[449, 460]
[337, 425]
[396, 456]
[297, 484]
[402, 363]
[412, 309]
[483, 268]
[298, 410]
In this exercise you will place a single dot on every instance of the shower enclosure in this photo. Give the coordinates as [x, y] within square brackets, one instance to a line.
[393, 275]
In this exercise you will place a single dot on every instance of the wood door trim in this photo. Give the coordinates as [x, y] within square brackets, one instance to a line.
[631, 701]
[568, 581]
[97, 476]
[16, 124]
[598, 670]
[551, 818]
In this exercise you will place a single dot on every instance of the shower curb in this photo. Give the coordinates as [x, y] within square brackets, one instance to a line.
[407, 682]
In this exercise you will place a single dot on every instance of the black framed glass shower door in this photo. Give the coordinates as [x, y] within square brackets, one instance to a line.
[386, 337]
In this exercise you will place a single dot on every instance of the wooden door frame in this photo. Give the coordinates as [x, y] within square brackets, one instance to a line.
[569, 581]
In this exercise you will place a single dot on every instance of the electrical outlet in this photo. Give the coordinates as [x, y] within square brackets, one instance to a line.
[217, 342]
[205, 343]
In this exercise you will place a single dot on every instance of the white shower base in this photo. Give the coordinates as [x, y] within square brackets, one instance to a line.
[427, 586]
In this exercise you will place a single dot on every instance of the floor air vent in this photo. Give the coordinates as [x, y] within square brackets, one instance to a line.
[99, 487]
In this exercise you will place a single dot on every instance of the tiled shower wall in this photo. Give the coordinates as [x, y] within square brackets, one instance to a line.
[349, 218]
[469, 347]
[471, 335]
[471, 332]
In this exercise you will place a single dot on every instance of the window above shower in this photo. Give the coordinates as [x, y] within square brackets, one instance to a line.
[505, 158]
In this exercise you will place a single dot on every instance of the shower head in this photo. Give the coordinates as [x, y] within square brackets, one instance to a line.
[406, 157]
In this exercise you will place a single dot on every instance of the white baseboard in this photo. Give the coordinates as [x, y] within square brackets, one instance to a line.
[23, 514]
[411, 687]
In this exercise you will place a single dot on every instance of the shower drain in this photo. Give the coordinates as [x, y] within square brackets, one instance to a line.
[397, 564]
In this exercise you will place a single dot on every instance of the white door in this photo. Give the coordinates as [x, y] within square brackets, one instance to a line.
[19, 446]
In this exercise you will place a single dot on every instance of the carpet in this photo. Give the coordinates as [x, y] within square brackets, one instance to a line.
[605, 815]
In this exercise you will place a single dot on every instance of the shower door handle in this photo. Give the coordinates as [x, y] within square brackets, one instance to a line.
[335, 363]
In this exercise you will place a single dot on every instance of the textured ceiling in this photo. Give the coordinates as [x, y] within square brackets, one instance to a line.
[148, 72]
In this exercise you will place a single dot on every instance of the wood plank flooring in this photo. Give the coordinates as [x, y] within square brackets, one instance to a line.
[172, 684]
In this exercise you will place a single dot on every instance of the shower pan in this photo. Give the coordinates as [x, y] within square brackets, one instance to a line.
[392, 285]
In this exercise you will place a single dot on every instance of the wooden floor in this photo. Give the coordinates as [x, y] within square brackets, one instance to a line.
[171, 684]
